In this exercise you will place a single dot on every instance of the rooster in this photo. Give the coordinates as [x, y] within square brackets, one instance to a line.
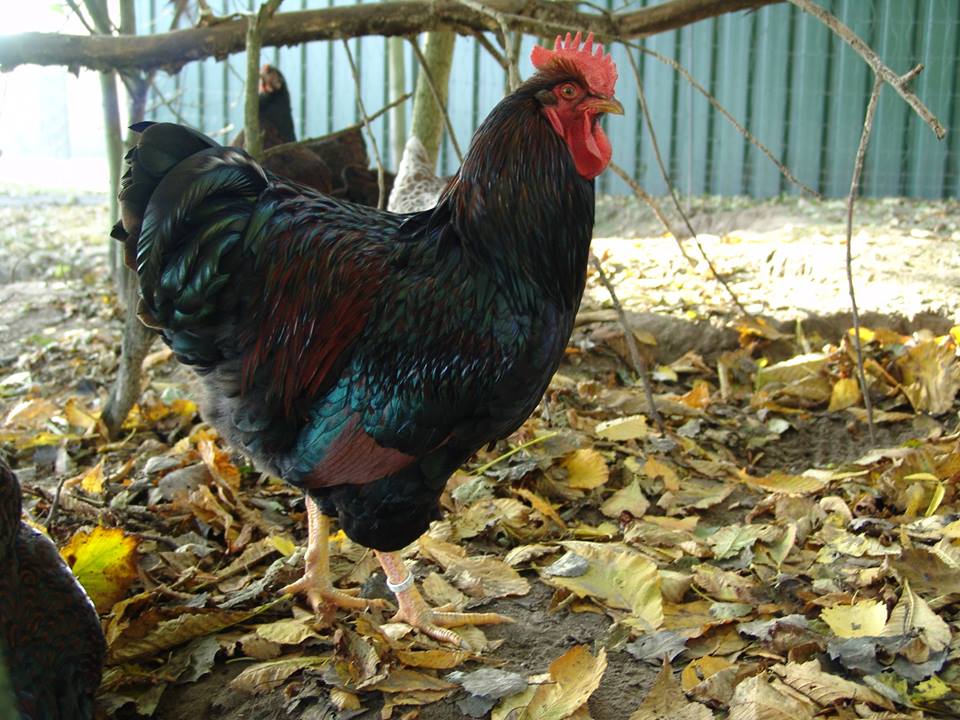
[364, 356]
[50, 636]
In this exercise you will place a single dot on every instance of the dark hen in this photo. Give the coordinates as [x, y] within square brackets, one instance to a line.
[360, 355]
[50, 634]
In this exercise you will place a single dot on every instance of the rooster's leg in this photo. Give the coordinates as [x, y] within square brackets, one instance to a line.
[415, 611]
[316, 583]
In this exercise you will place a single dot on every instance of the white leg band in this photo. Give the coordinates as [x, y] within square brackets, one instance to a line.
[404, 584]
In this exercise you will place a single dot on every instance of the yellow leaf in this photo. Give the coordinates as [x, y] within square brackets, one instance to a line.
[284, 545]
[698, 397]
[78, 417]
[795, 370]
[627, 499]
[845, 393]
[290, 631]
[655, 468]
[782, 482]
[105, 563]
[441, 659]
[407, 680]
[574, 675]
[632, 427]
[586, 469]
[92, 482]
[863, 619]
[344, 700]
[617, 576]
[700, 669]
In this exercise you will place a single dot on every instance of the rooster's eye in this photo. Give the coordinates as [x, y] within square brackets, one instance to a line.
[568, 91]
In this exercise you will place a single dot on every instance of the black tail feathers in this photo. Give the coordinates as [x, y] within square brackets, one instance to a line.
[161, 147]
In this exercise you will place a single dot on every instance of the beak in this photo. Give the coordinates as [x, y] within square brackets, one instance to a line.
[611, 106]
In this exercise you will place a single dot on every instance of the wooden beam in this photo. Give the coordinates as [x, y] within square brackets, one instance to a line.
[172, 50]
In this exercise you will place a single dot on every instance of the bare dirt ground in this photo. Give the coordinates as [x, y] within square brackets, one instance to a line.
[784, 260]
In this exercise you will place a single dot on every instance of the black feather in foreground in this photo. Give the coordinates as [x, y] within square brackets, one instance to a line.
[50, 634]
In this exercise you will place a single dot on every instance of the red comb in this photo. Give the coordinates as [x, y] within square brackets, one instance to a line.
[597, 69]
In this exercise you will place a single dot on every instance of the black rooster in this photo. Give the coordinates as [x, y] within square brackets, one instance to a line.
[360, 355]
[50, 634]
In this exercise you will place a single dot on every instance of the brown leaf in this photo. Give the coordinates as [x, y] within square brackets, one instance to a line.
[574, 677]
[666, 701]
[266, 676]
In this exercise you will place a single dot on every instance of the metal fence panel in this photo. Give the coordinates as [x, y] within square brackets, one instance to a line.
[800, 91]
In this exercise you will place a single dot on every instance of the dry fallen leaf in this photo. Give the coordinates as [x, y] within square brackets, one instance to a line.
[863, 619]
[586, 469]
[105, 562]
[615, 575]
[627, 499]
[632, 427]
[666, 701]
[573, 678]
[266, 676]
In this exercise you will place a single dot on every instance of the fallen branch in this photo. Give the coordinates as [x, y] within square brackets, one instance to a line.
[897, 82]
[851, 197]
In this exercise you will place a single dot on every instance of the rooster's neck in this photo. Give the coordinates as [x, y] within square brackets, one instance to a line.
[519, 205]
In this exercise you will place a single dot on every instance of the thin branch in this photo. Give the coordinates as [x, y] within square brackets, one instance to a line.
[172, 50]
[83, 18]
[646, 197]
[673, 192]
[636, 359]
[854, 189]
[381, 187]
[425, 69]
[897, 82]
[491, 50]
[750, 137]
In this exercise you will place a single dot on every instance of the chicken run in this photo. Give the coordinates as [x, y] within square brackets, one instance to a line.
[400, 464]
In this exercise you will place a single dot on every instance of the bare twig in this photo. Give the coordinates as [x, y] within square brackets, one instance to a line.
[673, 192]
[83, 18]
[425, 69]
[381, 188]
[897, 82]
[636, 359]
[55, 505]
[750, 137]
[678, 235]
[854, 189]
[491, 50]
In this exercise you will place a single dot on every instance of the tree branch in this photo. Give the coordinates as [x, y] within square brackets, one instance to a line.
[897, 82]
[172, 50]
[854, 189]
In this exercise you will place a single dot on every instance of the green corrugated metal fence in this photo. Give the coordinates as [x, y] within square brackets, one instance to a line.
[798, 88]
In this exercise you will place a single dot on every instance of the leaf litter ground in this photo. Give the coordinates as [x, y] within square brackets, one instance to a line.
[781, 563]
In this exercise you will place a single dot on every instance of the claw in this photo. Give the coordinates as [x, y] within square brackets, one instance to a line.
[320, 592]
[415, 612]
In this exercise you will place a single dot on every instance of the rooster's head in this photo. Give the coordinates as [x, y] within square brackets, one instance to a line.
[580, 83]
